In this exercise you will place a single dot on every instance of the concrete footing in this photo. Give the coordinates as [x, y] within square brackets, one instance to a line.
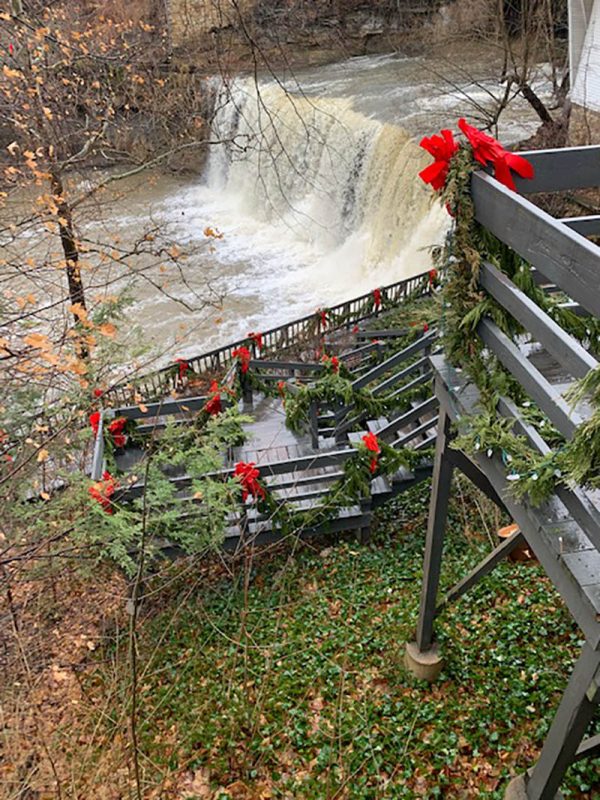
[517, 790]
[426, 665]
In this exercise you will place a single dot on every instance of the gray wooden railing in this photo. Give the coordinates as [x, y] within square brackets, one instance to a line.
[278, 340]
[345, 421]
[98, 454]
[564, 532]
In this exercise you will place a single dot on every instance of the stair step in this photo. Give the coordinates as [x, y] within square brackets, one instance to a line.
[375, 425]
[380, 485]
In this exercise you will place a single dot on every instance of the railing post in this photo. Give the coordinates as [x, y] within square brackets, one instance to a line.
[313, 422]
[575, 712]
[422, 656]
[246, 387]
[436, 526]
[339, 433]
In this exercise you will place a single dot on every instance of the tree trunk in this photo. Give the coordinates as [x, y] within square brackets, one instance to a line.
[70, 250]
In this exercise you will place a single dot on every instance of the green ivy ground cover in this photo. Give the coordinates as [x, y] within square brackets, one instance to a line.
[292, 685]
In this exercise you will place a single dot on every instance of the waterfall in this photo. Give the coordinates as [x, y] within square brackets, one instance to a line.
[327, 177]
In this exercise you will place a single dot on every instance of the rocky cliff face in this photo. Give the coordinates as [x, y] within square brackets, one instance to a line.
[299, 31]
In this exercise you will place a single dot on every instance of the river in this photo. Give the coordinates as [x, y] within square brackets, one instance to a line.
[318, 198]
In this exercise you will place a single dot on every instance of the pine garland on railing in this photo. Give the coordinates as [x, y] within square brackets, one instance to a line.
[372, 458]
[466, 304]
[335, 391]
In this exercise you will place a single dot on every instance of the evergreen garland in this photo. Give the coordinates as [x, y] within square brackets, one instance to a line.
[464, 305]
[334, 390]
[353, 488]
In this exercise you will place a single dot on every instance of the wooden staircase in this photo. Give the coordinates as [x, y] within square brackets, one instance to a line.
[300, 468]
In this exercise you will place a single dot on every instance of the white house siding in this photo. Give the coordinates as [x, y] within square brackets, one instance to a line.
[584, 50]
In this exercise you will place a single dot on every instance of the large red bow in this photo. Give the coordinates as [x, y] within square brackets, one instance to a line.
[488, 150]
[247, 474]
[213, 405]
[442, 148]
[257, 338]
[116, 428]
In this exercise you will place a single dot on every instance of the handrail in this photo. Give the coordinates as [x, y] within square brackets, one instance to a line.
[98, 456]
[565, 349]
[410, 350]
[162, 409]
[530, 378]
[289, 366]
[561, 168]
[564, 256]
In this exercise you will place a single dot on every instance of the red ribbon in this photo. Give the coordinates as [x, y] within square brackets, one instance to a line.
[95, 422]
[247, 474]
[333, 363]
[213, 405]
[116, 428]
[183, 367]
[322, 318]
[244, 356]
[103, 490]
[486, 150]
[257, 338]
[442, 148]
[377, 299]
[432, 276]
[372, 444]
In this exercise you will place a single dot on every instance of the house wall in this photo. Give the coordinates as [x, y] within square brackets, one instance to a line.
[584, 58]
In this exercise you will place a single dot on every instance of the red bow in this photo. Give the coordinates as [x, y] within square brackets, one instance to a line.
[95, 422]
[183, 367]
[333, 363]
[432, 276]
[244, 356]
[425, 327]
[377, 298]
[487, 150]
[247, 474]
[372, 444]
[116, 428]
[442, 148]
[257, 339]
[213, 405]
[322, 318]
[281, 390]
[103, 490]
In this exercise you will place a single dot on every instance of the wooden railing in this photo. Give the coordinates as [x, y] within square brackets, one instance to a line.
[564, 531]
[278, 340]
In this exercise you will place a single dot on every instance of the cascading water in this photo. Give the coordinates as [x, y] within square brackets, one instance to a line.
[338, 184]
[314, 189]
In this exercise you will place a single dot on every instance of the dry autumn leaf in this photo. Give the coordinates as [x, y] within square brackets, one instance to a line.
[37, 340]
[107, 329]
